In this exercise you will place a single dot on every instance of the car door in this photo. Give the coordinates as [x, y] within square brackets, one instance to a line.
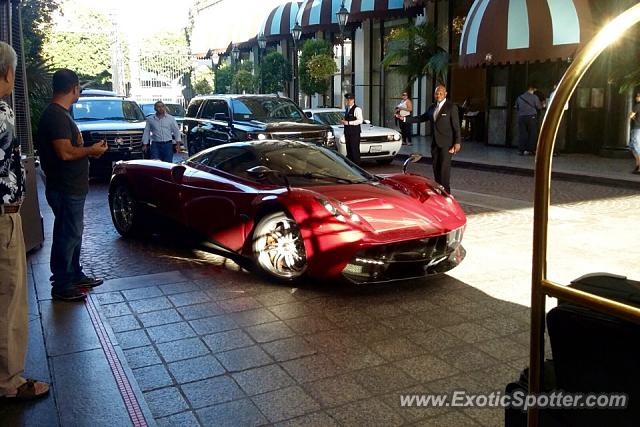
[215, 123]
[193, 127]
[216, 203]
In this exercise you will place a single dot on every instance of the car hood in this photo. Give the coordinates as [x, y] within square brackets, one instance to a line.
[287, 126]
[393, 215]
[109, 125]
[366, 130]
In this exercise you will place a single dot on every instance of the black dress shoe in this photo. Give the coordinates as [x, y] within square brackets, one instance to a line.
[72, 294]
[89, 282]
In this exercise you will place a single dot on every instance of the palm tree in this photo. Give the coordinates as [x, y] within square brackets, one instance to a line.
[413, 51]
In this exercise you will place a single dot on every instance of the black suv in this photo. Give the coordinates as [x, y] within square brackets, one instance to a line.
[218, 119]
[117, 120]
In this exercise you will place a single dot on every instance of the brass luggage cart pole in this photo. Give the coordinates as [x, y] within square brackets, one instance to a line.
[540, 285]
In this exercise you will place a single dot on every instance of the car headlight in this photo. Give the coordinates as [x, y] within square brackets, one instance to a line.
[397, 137]
[329, 135]
[339, 210]
[255, 135]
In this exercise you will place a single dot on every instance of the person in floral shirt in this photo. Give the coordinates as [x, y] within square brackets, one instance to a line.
[14, 326]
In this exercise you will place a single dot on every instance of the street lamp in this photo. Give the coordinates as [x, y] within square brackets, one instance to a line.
[262, 45]
[262, 42]
[343, 18]
[235, 54]
[296, 33]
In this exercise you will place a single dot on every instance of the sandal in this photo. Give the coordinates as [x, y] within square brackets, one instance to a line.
[30, 390]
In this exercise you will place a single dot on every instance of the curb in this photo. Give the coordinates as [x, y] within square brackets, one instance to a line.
[517, 170]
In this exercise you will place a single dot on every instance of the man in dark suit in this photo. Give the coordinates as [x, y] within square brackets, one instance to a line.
[352, 121]
[445, 131]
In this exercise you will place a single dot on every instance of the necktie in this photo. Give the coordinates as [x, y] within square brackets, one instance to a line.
[436, 111]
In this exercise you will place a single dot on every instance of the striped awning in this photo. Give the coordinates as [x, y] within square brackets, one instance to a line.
[513, 31]
[280, 21]
[315, 15]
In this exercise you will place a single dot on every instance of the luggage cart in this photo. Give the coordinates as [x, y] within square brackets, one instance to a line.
[541, 285]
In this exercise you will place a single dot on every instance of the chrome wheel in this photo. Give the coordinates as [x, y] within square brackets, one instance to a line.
[123, 210]
[278, 247]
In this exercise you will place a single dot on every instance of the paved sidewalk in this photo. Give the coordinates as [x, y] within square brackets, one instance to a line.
[581, 167]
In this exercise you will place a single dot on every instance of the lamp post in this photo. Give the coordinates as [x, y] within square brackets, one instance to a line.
[262, 45]
[296, 33]
[343, 18]
[235, 55]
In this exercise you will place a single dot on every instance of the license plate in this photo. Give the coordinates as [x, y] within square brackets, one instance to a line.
[375, 148]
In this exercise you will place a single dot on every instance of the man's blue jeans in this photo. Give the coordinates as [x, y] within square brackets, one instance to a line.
[162, 151]
[67, 239]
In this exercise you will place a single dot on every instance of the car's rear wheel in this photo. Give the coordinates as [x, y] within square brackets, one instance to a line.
[278, 247]
[124, 210]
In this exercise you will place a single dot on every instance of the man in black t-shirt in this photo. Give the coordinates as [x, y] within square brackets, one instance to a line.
[66, 166]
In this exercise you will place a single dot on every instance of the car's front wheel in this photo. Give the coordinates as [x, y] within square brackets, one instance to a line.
[124, 210]
[278, 247]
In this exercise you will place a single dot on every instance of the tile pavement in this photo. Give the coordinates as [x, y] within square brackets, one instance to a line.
[314, 355]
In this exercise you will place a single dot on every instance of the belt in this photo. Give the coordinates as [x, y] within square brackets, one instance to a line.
[9, 209]
[161, 142]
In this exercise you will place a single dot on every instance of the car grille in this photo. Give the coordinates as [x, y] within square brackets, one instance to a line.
[318, 138]
[373, 139]
[120, 140]
[402, 260]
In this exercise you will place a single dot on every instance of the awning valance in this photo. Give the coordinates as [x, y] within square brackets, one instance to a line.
[512, 31]
[316, 15]
[280, 21]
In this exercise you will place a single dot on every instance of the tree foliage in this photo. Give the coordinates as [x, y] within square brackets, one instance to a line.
[80, 42]
[223, 79]
[275, 71]
[202, 79]
[413, 51]
[243, 80]
[316, 66]
[37, 20]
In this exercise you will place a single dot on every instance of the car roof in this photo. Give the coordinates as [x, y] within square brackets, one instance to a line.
[98, 92]
[234, 96]
[104, 98]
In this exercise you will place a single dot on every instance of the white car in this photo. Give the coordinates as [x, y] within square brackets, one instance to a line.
[376, 143]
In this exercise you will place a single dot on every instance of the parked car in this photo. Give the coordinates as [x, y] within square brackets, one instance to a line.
[97, 92]
[117, 120]
[294, 208]
[218, 119]
[376, 143]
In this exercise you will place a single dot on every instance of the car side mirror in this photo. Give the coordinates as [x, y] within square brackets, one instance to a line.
[415, 157]
[177, 173]
[309, 114]
[366, 122]
[221, 117]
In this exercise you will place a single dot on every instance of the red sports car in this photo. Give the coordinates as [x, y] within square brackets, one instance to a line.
[295, 208]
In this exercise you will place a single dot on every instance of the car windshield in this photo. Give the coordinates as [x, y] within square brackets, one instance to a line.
[329, 117]
[148, 109]
[304, 165]
[106, 109]
[176, 110]
[266, 109]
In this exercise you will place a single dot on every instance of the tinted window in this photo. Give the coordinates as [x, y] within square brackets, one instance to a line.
[329, 118]
[194, 106]
[266, 109]
[175, 110]
[214, 106]
[233, 160]
[106, 109]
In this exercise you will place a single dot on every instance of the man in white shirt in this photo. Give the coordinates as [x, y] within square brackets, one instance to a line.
[162, 133]
[352, 121]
